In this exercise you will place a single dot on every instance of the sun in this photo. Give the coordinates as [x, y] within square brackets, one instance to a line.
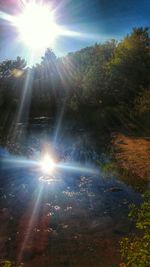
[36, 25]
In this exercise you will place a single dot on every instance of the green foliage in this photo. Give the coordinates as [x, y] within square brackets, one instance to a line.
[142, 102]
[129, 67]
[105, 80]
[135, 249]
[108, 167]
[10, 264]
[141, 110]
[7, 67]
[73, 104]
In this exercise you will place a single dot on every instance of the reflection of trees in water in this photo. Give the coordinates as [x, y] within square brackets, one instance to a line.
[138, 184]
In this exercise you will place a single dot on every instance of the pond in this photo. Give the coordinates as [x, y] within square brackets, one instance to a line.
[74, 219]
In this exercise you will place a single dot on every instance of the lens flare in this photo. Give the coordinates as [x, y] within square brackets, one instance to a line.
[47, 164]
[36, 26]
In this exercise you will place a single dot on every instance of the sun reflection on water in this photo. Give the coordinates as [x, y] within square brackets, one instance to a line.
[47, 164]
[49, 179]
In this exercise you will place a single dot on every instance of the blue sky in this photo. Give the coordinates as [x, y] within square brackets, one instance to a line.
[97, 20]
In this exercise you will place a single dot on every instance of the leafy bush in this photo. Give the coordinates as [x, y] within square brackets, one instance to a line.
[142, 102]
[135, 250]
[10, 264]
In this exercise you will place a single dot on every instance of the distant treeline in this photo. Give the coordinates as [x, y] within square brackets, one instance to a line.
[106, 85]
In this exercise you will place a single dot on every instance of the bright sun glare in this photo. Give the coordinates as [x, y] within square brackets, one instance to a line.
[47, 164]
[37, 26]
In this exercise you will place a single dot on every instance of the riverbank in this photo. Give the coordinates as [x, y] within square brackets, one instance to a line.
[132, 154]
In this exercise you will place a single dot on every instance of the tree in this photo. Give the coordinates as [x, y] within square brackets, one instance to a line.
[130, 65]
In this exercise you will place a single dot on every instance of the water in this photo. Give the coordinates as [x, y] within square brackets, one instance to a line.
[75, 218]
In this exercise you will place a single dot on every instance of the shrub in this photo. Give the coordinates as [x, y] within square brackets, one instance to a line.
[135, 250]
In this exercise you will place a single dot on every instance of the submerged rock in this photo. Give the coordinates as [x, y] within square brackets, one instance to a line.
[115, 189]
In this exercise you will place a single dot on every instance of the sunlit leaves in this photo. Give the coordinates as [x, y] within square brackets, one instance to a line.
[8, 263]
[135, 249]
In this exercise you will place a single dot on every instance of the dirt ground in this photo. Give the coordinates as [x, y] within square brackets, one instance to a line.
[133, 155]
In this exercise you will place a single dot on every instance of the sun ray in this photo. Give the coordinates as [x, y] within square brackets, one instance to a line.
[47, 165]
[18, 162]
[31, 222]
[77, 168]
[59, 123]
[7, 17]
[37, 28]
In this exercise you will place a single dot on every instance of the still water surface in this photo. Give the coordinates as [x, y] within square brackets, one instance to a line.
[73, 219]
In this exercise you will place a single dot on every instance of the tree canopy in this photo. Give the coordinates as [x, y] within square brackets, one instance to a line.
[108, 80]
